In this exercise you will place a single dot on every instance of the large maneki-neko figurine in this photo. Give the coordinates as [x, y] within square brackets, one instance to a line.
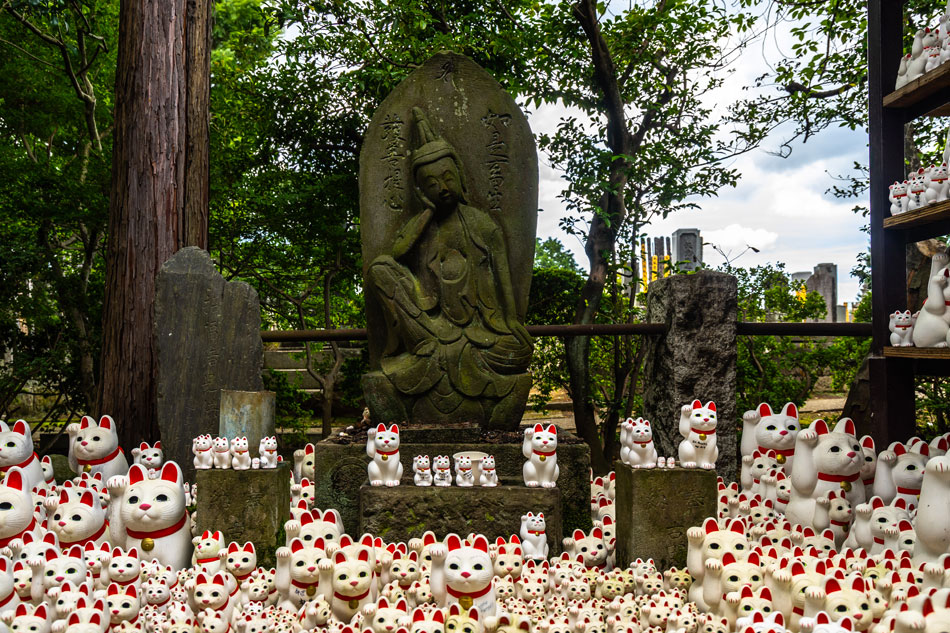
[764, 430]
[825, 460]
[150, 514]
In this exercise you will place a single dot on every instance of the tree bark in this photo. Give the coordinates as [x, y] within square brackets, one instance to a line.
[145, 207]
[197, 161]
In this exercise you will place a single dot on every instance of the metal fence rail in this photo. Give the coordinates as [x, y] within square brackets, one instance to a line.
[598, 329]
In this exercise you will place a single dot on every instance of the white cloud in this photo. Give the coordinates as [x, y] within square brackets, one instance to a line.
[780, 206]
[735, 238]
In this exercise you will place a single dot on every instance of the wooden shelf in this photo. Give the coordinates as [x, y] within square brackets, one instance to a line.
[919, 217]
[925, 353]
[918, 90]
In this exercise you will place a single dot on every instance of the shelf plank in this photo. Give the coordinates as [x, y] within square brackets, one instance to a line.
[919, 217]
[925, 353]
[919, 89]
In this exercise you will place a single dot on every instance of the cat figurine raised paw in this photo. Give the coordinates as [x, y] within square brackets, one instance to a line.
[443, 471]
[901, 325]
[933, 322]
[382, 447]
[268, 452]
[17, 443]
[201, 448]
[221, 452]
[149, 456]
[534, 541]
[150, 515]
[94, 448]
[240, 454]
[488, 477]
[540, 449]
[637, 448]
[421, 470]
[464, 476]
[698, 427]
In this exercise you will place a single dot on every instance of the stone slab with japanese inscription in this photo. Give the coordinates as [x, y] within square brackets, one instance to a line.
[207, 338]
[448, 215]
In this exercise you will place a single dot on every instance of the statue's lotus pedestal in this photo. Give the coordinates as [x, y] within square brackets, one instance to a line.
[340, 469]
[404, 512]
[654, 509]
[246, 505]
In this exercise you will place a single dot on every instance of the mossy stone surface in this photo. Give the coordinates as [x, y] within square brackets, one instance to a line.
[246, 505]
[340, 470]
[405, 512]
[654, 509]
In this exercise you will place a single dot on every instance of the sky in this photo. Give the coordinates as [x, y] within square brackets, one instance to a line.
[780, 205]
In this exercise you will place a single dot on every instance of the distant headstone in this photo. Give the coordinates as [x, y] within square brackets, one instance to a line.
[824, 280]
[448, 215]
[687, 249]
[695, 358]
[247, 414]
[207, 338]
[654, 509]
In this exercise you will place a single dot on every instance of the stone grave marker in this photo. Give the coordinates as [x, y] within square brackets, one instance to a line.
[207, 338]
[654, 509]
[695, 358]
[247, 414]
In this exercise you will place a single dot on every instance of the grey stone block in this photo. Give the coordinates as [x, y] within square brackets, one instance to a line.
[246, 505]
[207, 338]
[654, 509]
[696, 358]
[247, 414]
[404, 512]
[340, 470]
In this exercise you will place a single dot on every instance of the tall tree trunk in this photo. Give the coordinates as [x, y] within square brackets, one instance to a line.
[601, 239]
[146, 207]
[197, 164]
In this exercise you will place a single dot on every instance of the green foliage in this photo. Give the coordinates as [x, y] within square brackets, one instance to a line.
[58, 65]
[779, 369]
[550, 253]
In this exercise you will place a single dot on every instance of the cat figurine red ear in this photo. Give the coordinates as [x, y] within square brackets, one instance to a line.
[17, 443]
[825, 460]
[697, 425]
[94, 448]
[462, 575]
[540, 450]
[151, 515]
[636, 440]
[382, 447]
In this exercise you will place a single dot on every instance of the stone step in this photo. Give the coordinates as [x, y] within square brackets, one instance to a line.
[404, 512]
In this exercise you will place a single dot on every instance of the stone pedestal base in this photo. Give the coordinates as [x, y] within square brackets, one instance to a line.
[405, 512]
[654, 509]
[341, 470]
[246, 505]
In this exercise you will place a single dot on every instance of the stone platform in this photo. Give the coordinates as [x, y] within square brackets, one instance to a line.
[405, 512]
[340, 470]
[246, 505]
[654, 509]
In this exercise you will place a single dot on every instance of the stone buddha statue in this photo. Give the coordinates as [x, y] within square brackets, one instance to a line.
[455, 349]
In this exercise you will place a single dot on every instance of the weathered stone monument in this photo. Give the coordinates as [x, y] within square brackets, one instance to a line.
[654, 509]
[246, 505]
[448, 214]
[695, 358]
[247, 414]
[207, 338]
[687, 249]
